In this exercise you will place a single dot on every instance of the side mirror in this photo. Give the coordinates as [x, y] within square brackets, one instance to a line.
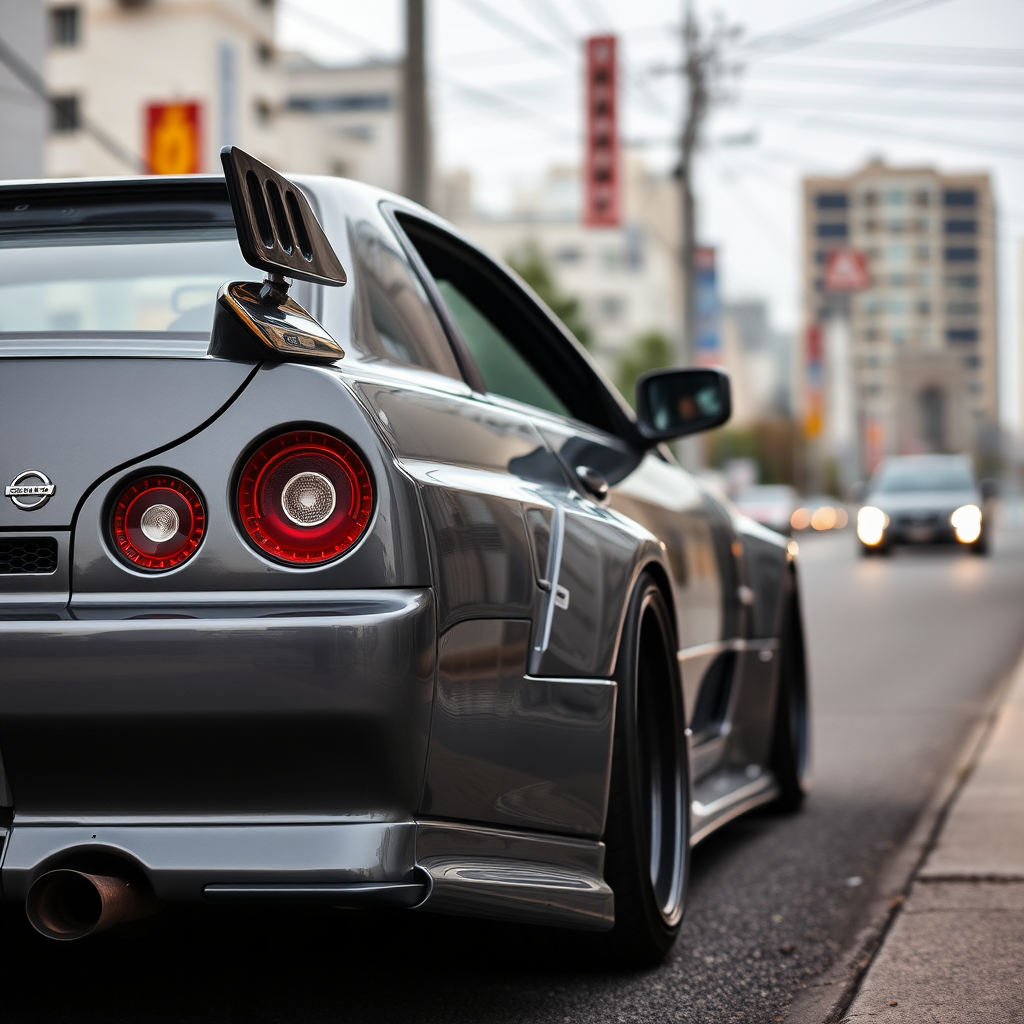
[989, 488]
[277, 233]
[857, 491]
[674, 403]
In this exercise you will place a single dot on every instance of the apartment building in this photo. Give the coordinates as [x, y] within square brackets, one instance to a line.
[917, 350]
[161, 85]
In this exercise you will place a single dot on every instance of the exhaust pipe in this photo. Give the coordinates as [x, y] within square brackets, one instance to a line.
[65, 904]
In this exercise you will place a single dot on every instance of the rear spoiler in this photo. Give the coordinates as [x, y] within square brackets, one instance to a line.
[279, 234]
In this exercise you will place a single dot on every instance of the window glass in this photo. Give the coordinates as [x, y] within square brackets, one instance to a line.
[504, 370]
[392, 316]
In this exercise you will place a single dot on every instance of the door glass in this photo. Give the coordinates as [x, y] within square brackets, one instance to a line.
[504, 370]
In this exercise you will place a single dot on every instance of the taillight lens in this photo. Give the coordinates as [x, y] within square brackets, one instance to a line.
[158, 522]
[304, 497]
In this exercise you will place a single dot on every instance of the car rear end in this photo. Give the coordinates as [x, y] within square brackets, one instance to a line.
[216, 622]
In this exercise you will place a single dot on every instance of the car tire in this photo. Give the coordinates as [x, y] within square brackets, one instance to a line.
[647, 835]
[790, 758]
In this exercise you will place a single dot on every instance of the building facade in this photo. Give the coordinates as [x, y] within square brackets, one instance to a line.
[625, 278]
[161, 85]
[910, 364]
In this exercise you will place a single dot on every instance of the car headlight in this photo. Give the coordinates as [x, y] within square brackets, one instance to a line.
[966, 523]
[871, 524]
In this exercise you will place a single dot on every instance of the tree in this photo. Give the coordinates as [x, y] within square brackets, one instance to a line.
[533, 269]
[651, 350]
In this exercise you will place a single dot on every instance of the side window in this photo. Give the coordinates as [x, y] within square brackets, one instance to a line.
[503, 368]
[393, 318]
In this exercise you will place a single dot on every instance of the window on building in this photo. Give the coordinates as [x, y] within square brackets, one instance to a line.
[898, 280]
[924, 307]
[972, 362]
[64, 26]
[961, 280]
[960, 197]
[611, 308]
[961, 254]
[923, 252]
[820, 256]
[264, 52]
[896, 254]
[568, 254]
[65, 115]
[831, 201]
[896, 226]
[263, 112]
[961, 227]
[894, 197]
[831, 231]
[922, 197]
[922, 225]
[962, 335]
[962, 309]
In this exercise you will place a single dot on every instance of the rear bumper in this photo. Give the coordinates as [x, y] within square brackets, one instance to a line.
[276, 706]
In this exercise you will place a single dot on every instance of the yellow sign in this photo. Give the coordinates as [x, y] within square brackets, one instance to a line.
[172, 138]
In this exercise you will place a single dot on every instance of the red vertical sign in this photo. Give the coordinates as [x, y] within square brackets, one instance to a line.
[601, 200]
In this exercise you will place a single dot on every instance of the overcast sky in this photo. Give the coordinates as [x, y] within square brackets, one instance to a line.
[823, 87]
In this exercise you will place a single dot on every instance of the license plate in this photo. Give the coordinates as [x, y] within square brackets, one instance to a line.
[920, 534]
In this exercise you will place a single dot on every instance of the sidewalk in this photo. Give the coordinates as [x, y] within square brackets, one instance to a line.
[955, 951]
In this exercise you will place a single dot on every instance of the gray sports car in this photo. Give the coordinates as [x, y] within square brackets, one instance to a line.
[352, 581]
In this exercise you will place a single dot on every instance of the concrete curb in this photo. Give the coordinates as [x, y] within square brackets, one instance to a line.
[826, 999]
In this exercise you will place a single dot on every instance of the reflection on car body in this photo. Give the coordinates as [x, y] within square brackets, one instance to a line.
[437, 624]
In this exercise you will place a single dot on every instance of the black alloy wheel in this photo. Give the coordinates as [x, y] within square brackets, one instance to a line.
[791, 742]
[648, 831]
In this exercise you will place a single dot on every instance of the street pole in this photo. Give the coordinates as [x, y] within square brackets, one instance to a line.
[416, 156]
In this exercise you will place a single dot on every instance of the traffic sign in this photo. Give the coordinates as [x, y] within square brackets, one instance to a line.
[846, 270]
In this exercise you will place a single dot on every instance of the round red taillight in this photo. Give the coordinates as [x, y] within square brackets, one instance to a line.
[304, 497]
[158, 522]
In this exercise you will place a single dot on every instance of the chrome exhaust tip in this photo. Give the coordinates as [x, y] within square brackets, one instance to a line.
[66, 904]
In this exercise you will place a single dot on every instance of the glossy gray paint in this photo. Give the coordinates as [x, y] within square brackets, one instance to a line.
[456, 663]
[78, 419]
[286, 707]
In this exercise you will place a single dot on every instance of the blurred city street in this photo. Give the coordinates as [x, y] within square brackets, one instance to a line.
[905, 653]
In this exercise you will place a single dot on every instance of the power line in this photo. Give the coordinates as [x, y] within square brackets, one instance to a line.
[890, 107]
[372, 49]
[867, 129]
[922, 53]
[846, 19]
[888, 78]
[34, 82]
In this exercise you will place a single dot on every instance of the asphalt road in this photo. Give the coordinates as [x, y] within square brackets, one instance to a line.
[903, 653]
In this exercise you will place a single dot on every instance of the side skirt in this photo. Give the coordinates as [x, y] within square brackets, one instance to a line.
[510, 876]
[726, 795]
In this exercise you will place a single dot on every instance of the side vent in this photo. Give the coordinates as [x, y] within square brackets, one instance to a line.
[28, 556]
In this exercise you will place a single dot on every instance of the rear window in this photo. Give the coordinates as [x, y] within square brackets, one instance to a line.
[115, 270]
[918, 477]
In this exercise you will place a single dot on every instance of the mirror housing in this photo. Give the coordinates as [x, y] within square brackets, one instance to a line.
[678, 402]
[279, 234]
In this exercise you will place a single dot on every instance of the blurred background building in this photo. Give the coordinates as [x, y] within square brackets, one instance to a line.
[911, 361]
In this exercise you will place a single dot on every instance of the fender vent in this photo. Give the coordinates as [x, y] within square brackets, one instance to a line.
[23, 556]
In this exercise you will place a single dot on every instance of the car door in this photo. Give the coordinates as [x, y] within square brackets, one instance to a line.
[610, 480]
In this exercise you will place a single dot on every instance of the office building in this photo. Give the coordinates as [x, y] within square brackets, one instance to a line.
[910, 363]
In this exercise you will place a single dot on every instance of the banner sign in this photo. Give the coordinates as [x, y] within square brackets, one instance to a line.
[707, 334]
[173, 140]
[601, 184]
[846, 270]
[814, 383]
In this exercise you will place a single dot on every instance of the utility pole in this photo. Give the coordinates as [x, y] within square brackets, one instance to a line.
[694, 71]
[416, 157]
